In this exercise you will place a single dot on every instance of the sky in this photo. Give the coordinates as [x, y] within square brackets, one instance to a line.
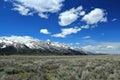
[90, 24]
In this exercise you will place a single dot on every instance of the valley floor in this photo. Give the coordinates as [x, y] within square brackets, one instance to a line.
[89, 67]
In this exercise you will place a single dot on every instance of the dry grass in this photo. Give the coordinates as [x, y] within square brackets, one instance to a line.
[96, 67]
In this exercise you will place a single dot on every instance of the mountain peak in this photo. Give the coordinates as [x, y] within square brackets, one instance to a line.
[29, 44]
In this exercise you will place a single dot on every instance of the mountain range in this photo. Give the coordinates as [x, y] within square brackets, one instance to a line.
[25, 45]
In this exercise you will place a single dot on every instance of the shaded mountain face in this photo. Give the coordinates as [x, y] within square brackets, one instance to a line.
[28, 45]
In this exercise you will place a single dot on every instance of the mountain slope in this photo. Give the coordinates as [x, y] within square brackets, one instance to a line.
[29, 45]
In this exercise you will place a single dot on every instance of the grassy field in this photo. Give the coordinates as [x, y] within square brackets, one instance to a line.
[96, 67]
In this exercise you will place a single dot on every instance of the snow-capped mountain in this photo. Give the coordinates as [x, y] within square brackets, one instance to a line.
[26, 44]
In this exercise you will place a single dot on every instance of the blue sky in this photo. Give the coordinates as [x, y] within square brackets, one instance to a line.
[90, 24]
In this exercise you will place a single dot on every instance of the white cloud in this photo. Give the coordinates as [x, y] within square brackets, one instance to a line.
[43, 15]
[41, 7]
[21, 39]
[95, 16]
[67, 31]
[110, 47]
[85, 27]
[82, 13]
[69, 16]
[22, 10]
[44, 31]
[103, 47]
[77, 43]
[86, 37]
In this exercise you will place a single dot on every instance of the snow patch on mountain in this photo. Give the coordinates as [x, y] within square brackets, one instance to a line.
[27, 42]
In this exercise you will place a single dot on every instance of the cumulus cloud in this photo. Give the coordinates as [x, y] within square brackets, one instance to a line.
[22, 10]
[110, 47]
[103, 47]
[69, 16]
[95, 16]
[43, 15]
[41, 7]
[67, 31]
[44, 31]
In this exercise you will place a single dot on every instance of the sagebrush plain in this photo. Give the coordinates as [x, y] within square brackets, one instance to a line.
[88, 67]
